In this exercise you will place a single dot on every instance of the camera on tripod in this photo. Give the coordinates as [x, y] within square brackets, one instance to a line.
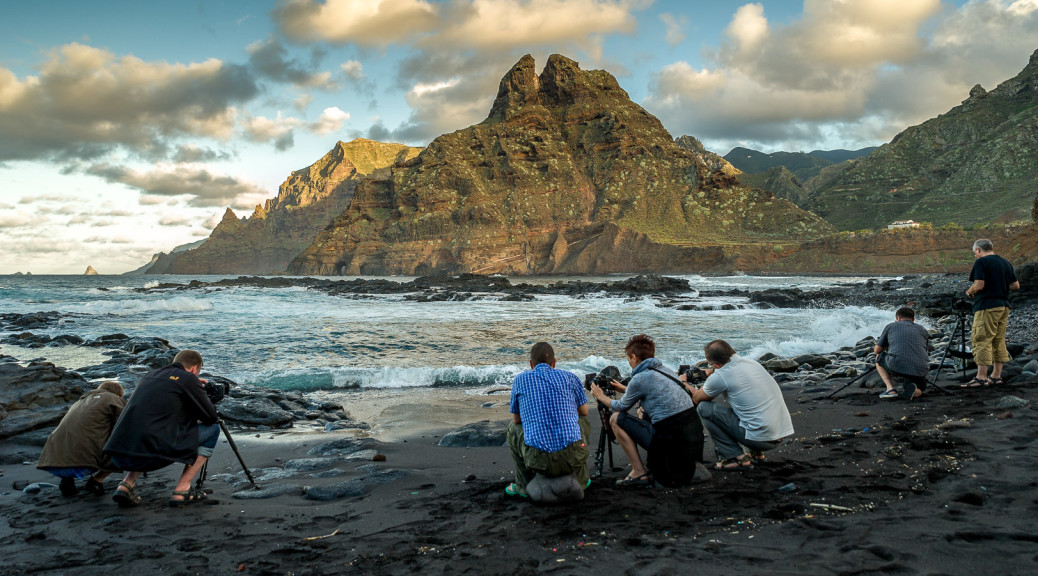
[216, 388]
[603, 379]
[962, 305]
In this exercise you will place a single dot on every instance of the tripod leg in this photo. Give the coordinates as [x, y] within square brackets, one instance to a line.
[234, 448]
[856, 378]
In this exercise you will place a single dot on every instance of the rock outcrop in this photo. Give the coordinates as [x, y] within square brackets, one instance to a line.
[974, 164]
[278, 231]
[90, 271]
[566, 175]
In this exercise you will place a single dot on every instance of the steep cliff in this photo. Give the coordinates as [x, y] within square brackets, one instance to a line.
[566, 175]
[975, 164]
[284, 226]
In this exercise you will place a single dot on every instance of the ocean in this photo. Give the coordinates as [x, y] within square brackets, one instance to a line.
[295, 338]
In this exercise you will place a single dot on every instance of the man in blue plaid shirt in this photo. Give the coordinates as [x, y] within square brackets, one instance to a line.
[549, 429]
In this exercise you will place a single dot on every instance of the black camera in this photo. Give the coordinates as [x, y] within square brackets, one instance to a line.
[694, 375]
[603, 379]
[216, 388]
[962, 305]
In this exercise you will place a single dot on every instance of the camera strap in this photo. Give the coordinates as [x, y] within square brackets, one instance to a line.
[676, 381]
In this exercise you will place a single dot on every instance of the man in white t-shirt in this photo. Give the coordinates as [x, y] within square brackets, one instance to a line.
[756, 416]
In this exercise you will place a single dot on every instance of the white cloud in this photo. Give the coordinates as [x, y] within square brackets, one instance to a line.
[675, 26]
[855, 72]
[199, 187]
[279, 130]
[353, 70]
[331, 120]
[363, 22]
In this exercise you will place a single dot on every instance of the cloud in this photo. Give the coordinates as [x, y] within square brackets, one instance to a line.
[189, 153]
[200, 187]
[675, 28]
[86, 102]
[331, 120]
[14, 219]
[278, 130]
[353, 70]
[855, 72]
[362, 22]
[270, 60]
[176, 220]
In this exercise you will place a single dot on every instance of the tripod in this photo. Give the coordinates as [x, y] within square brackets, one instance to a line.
[605, 440]
[961, 353]
[234, 447]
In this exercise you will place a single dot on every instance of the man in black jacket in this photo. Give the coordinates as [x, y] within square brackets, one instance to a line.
[168, 419]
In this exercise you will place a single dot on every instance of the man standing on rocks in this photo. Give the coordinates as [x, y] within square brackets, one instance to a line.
[903, 349]
[756, 415]
[549, 429]
[992, 278]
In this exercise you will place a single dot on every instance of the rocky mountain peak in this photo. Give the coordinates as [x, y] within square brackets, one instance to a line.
[518, 87]
[90, 271]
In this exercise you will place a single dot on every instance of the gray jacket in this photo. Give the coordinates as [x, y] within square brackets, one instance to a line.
[660, 396]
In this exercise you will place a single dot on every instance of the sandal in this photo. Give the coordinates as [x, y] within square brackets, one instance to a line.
[757, 456]
[127, 498]
[189, 496]
[68, 487]
[94, 487]
[513, 490]
[643, 480]
[976, 383]
[995, 381]
[737, 464]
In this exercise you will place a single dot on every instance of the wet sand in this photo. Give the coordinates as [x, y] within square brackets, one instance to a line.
[941, 485]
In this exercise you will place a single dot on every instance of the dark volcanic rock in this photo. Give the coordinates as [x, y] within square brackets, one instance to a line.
[485, 433]
[35, 396]
[255, 411]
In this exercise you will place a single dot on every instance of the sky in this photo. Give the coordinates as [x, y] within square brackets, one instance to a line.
[129, 127]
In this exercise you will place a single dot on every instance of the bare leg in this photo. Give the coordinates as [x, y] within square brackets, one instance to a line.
[885, 376]
[188, 476]
[100, 477]
[131, 478]
[630, 448]
[996, 370]
[982, 371]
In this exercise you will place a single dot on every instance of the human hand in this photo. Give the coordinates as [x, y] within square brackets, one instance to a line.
[617, 386]
[968, 293]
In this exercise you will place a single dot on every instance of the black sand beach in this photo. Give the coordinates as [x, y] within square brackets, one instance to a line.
[941, 485]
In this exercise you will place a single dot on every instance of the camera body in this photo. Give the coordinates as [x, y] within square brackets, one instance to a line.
[603, 379]
[694, 375]
[962, 305]
[217, 388]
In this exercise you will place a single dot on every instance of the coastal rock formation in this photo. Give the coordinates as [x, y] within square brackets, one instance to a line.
[974, 164]
[310, 198]
[36, 395]
[90, 271]
[566, 175]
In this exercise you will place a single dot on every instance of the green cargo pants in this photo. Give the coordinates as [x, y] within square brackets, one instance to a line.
[529, 460]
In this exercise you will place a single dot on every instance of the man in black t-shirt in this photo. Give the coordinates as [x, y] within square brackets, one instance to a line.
[992, 278]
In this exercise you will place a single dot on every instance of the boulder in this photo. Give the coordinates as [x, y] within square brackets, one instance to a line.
[255, 411]
[814, 360]
[544, 490]
[485, 433]
[36, 395]
[781, 365]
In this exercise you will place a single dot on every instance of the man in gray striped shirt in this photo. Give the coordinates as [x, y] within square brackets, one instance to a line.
[903, 349]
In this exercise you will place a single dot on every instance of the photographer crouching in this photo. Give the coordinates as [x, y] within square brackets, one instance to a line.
[169, 418]
[756, 416]
[669, 428]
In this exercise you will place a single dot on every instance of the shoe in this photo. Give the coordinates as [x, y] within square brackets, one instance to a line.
[888, 394]
[189, 496]
[127, 498]
[976, 383]
[908, 392]
[513, 490]
[94, 487]
[995, 381]
[68, 487]
[737, 464]
[588, 485]
[757, 456]
[644, 480]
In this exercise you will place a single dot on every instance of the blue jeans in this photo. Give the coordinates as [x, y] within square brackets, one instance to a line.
[727, 432]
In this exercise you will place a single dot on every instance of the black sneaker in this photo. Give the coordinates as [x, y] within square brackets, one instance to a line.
[68, 487]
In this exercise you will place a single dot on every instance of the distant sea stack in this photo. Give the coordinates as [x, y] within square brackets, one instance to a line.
[278, 231]
[566, 175]
[90, 271]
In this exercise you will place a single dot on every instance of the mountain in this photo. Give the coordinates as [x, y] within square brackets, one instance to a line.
[841, 155]
[566, 175]
[161, 261]
[284, 226]
[802, 165]
[90, 271]
[975, 164]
